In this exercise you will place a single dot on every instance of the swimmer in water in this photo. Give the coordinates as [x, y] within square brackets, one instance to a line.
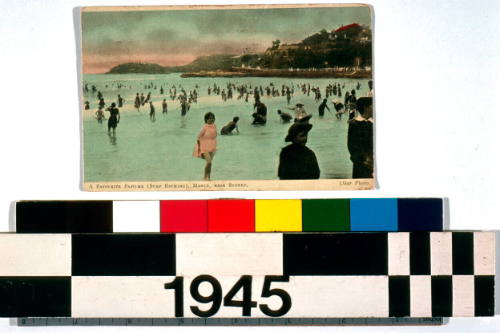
[232, 125]
[284, 116]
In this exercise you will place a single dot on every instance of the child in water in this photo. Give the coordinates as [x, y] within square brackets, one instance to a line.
[99, 115]
[206, 143]
[284, 116]
[232, 125]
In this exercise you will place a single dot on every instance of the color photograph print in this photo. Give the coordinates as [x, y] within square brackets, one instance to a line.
[258, 97]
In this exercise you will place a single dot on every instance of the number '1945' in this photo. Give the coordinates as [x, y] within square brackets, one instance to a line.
[246, 304]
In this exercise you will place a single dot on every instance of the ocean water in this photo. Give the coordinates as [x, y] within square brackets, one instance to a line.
[162, 151]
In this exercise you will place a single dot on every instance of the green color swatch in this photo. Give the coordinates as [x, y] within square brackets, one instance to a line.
[325, 215]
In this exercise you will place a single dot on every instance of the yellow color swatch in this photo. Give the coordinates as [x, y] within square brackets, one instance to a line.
[278, 215]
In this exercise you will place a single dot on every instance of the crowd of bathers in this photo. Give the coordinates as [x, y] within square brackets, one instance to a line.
[296, 160]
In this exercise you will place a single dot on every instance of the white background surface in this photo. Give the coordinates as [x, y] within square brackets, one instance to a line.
[437, 79]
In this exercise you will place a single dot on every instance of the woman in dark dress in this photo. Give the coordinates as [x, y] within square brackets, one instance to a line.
[360, 139]
[114, 118]
[296, 160]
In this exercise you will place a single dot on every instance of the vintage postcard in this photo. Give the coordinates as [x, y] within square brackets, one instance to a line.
[253, 97]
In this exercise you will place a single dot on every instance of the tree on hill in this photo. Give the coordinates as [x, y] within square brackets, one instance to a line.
[318, 38]
[139, 68]
[347, 46]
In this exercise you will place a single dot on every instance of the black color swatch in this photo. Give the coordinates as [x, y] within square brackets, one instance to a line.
[420, 214]
[123, 254]
[335, 254]
[35, 297]
[399, 296]
[64, 216]
[484, 296]
[420, 253]
[442, 296]
[463, 253]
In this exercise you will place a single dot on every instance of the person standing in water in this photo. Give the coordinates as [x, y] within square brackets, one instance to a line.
[360, 139]
[152, 116]
[148, 97]
[99, 115]
[339, 108]
[288, 96]
[351, 104]
[321, 108]
[137, 102]
[120, 101]
[164, 106]
[370, 89]
[184, 110]
[301, 115]
[206, 143]
[114, 118]
[260, 116]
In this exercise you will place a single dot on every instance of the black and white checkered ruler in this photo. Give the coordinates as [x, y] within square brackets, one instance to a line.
[260, 275]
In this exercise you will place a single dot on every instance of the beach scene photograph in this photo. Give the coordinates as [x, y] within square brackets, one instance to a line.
[227, 98]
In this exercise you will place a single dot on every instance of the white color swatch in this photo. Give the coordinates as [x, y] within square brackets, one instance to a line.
[136, 216]
[441, 253]
[420, 296]
[121, 297]
[35, 254]
[399, 253]
[229, 254]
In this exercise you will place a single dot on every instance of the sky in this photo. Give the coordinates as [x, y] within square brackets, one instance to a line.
[177, 37]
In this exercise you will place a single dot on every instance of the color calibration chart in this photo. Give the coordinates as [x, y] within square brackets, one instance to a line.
[179, 216]
[249, 261]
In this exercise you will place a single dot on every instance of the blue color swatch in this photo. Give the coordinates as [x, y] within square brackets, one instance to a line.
[374, 214]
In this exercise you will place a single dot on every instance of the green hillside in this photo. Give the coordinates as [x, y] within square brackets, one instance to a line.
[346, 46]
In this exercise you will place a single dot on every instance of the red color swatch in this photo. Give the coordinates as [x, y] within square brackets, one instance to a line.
[183, 216]
[231, 215]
